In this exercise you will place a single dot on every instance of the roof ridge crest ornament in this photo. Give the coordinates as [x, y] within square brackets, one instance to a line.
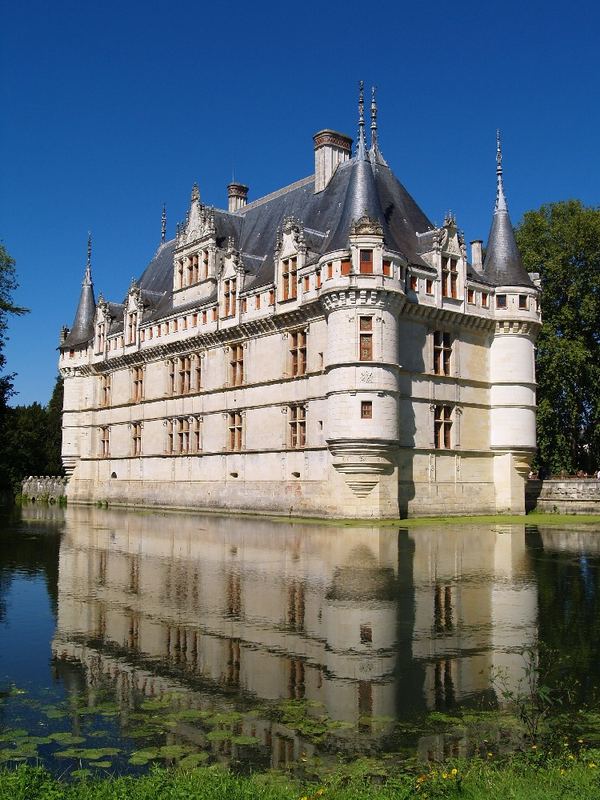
[163, 224]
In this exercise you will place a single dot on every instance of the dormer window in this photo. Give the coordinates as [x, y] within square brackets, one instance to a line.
[449, 277]
[500, 301]
[229, 297]
[523, 302]
[131, 327]
[289, 274]
[100, 337]
[366, 262]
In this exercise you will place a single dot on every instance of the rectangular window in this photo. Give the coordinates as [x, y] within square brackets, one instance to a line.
[184, 375]
[204, 317]
[484, 299]
[523, 302]
[105, 381]
[442, 352]
[170, 435]
[387, 267]
[215, 314]
[100, 337]
[346, 266]
[236, 365]
[318, 278]
[500, 301]
[442, 427]
[329, 270]
[204, 264]
[105, 442]
[195, 269]
[197, 373]
[257, 302]
[244, 305]
[366, 409]
[289, 275]
[137, 384]
[180, 274]
[183, 435]
[171, 377]
[366, 262]
[428, 286]
[229, 297]
[271, 297]
[197, 435]
[235, 430]
[470, 296]
[449, 277]
[297, 426]
[131, 327]
[298, 353]
[366, 338]
[306, 283]
[414, 283]
[136, 439]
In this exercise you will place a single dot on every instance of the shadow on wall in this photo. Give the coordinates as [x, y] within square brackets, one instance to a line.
[411, 348]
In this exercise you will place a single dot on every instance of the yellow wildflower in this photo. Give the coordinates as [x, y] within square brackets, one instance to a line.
[454, 771]
[444, 775]
[571, 757]
[580, 741]
[562, 772]
[490, 755]
[591, 765]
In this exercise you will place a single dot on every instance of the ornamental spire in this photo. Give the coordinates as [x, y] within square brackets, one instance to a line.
[361, 151]
[163, 225]
[500, 197]
[87, 278]
[373, 119]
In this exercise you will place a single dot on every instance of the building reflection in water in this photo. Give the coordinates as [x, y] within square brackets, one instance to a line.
[369, 622]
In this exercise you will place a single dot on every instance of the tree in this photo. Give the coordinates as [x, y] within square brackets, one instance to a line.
[8, 284]
[561, 241]
[53, 440]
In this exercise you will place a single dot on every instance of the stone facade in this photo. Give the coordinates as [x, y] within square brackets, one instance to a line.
[309, 353]
[564, 496]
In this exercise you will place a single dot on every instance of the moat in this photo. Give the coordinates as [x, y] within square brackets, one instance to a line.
[128, 638]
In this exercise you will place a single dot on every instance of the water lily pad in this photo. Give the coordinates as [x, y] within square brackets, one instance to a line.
[82, 774]
[218, 735]
[13, 733]
[194, 760]
[245, 740]
[53, 712]
[141, 757]
[101, 764]
[174, 751]
[66, 737]
[87, 753]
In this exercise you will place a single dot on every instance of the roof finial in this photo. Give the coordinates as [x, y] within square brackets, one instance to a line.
[373, 119]
[500, 198]
[361, 119]
[89, 251]
[163, 225]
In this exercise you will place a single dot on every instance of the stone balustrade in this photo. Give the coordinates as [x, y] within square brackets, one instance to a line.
[44, 488]
[564, 495]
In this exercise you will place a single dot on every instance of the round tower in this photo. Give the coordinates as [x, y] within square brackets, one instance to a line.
[512, 357]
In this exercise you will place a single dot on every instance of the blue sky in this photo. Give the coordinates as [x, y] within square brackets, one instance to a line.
[110, 109]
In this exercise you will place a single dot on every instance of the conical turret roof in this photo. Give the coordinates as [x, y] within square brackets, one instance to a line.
[82, 329]
[503, 265]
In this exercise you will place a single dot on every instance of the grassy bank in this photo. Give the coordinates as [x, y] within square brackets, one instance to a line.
[530, 776]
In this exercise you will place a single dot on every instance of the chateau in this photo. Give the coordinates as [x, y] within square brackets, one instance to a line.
[321, 351]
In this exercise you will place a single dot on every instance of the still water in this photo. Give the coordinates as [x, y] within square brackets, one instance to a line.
[128, 638]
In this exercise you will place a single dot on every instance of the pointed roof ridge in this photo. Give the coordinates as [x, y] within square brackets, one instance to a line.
[503, 265]
[82, 329]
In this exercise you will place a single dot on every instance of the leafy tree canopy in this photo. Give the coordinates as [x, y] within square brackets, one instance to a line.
[561, 241]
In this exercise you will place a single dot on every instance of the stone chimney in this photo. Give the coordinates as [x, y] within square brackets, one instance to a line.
[331, 148]
[238, 196]
[476, 254]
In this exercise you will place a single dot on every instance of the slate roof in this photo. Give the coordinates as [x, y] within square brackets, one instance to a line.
[357, 187]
